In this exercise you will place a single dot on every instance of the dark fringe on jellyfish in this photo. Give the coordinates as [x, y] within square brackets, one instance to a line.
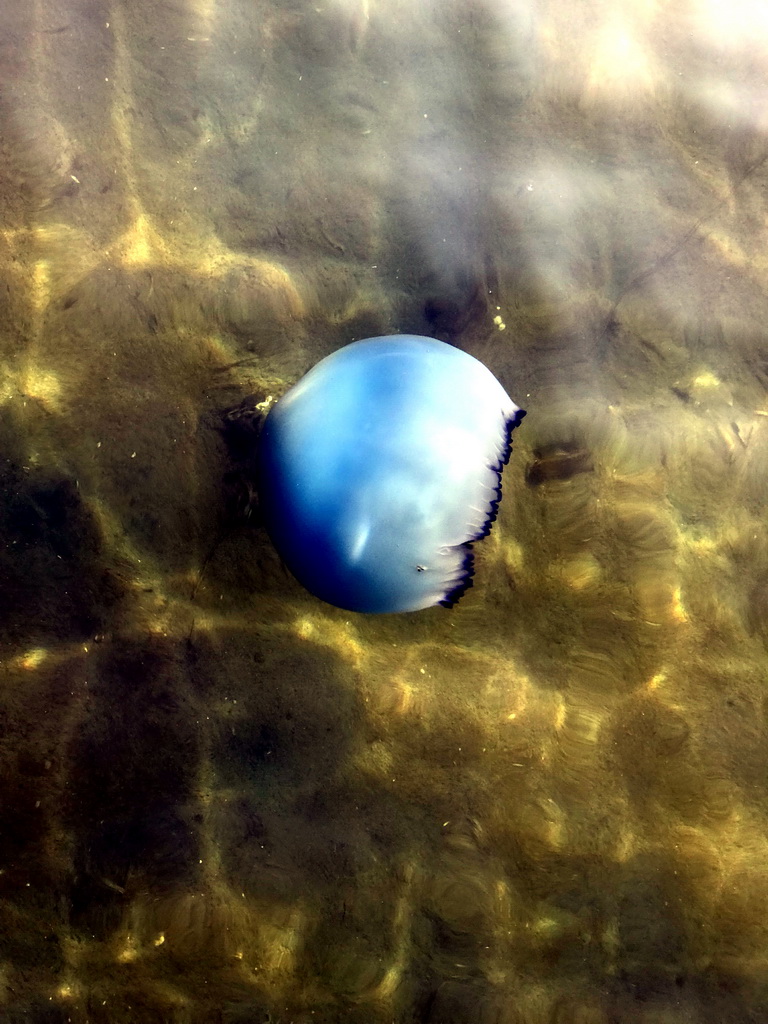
[467, 573]
[466, 579]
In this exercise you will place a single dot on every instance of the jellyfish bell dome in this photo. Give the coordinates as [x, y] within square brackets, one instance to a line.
[381, 467]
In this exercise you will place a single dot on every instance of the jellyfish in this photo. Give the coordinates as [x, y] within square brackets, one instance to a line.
[380, 469]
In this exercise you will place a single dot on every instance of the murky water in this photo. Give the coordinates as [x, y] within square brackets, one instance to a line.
[224, 801]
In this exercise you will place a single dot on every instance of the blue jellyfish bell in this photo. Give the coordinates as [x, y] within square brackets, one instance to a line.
[381, 468]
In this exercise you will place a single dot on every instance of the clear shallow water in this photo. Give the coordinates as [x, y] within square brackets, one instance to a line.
[224, 801]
